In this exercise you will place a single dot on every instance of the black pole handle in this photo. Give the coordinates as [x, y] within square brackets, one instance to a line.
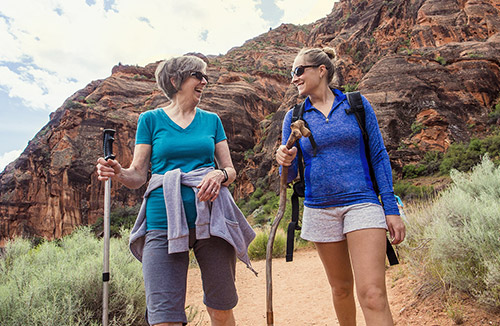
[108, 139]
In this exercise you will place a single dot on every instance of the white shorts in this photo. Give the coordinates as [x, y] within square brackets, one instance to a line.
[333, 223]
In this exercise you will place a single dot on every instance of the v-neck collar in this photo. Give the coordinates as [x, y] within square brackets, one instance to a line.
[176, 126]
[339, 98]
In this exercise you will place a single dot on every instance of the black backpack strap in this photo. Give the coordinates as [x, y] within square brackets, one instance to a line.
[298, 190]
[298, 187]
[391, 254]
[356, 107]
[298, 111]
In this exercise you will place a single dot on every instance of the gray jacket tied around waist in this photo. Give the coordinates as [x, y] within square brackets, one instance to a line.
[220, 218]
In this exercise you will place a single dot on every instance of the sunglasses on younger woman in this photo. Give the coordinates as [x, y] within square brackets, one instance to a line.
[199, 75]
[299, 70]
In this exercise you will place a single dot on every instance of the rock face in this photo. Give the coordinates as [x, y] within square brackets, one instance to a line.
[430, 68]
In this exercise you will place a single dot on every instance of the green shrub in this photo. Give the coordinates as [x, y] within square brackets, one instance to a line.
[249, 80]
[475, 55]
[441, 60]
[463, 157]
[350, 87]
[410, 192]
[496, 110]
[454, 240]
[428, 166]
[257, 249]
[412, 171]
[249, 153]
[60, 282]
[432, 161]
[416, 127]
[267, 202]
[121, 217]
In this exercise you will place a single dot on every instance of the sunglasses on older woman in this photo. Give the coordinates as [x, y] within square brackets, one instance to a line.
[199, 75]
[299, 70]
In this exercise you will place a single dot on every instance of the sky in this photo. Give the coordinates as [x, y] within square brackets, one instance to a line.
[52, 48]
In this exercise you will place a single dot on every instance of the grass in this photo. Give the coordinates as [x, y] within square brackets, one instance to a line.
[410, 192]
[452, 244]
[60, 283]
[257, 249]
[453, 241]
[454, 309]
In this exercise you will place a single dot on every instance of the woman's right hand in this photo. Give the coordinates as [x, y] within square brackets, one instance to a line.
[285, 156]
[107, 169]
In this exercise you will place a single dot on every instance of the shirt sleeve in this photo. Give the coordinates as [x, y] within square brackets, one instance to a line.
[285, 133]
[220, 134]
[143, 134]
[380, 161]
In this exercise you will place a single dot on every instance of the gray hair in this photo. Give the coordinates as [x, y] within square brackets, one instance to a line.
[317, 56]
[178, 69]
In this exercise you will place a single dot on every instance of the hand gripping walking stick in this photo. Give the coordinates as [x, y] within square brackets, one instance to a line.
[298, 130]
[108, 139]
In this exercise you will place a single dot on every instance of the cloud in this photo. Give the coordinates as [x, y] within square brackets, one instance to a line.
[70, 43]
[36, 87]
[8, 157]
[52, 48]
[296, 12]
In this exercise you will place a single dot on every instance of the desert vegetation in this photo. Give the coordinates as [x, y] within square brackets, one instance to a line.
[452, 246]
[453, 241]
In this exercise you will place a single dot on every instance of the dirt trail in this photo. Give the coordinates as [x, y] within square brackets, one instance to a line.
[302, 297]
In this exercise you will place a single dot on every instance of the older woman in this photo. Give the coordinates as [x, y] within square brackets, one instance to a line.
[187, 203]
[342, 213]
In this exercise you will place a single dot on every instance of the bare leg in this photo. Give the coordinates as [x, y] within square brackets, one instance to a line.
[169, 324]
[221, 317]
[335, 258]
[367, 249]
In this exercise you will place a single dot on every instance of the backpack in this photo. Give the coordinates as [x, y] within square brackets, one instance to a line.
[357, 108]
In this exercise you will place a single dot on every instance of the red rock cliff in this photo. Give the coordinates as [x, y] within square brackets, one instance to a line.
[427, 62]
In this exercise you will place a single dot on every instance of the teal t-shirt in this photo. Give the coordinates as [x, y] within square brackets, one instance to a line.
[173, 147]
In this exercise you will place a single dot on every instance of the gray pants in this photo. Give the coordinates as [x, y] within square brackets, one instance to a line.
[165, 276]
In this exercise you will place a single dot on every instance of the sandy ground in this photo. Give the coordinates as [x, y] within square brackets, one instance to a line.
[301, 296]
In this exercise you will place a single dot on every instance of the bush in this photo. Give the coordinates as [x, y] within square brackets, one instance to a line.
[459, 157]
[257, 249]
[463, 157]
[454, 240]
[428, 166]
[412, 171]
[494, 115]
[60, 282]
[432, 161]
[350, 87]
[121, 217]
[260, 205]
[416, 127]
[441, 60]
[409, 192]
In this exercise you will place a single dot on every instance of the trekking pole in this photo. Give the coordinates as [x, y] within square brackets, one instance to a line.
[298, 130]
[108, 139]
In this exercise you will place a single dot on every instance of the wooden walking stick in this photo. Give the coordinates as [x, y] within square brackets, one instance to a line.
[298, 130]
[108, 139]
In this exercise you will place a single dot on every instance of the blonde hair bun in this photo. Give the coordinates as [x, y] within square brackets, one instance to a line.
[330, 52]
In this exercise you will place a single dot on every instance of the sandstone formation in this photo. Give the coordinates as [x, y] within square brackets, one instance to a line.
[430, 68]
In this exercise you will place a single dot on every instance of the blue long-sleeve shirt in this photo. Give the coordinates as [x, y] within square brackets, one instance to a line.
[339, 175]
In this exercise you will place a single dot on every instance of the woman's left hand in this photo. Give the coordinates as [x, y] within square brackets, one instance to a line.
[397, 228]
[209, 187]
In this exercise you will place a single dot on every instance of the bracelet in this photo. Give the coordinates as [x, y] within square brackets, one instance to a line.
[226, 177]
